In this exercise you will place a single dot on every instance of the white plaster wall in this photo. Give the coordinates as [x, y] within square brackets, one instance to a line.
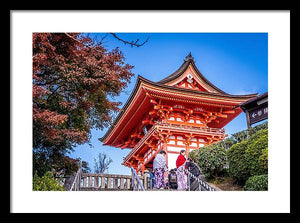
[193, 144]
[179, 119]
[180, 143]
[174, 148]
[172, 157]
[198, 122]
[172, 160]
[171, 142]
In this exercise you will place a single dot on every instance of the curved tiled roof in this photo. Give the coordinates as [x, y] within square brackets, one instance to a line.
[187, 61]
[162, 83]
[140, 79]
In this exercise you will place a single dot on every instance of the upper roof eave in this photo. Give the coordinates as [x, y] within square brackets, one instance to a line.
[136, 87]
[141, 79]
[196, 91]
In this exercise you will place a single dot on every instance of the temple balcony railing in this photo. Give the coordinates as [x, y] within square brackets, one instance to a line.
[199, 129]
[176, 128]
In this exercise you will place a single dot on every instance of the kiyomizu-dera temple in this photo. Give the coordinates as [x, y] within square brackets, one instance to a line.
[182, 111]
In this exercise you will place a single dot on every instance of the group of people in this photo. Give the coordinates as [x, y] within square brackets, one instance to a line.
[160, 169]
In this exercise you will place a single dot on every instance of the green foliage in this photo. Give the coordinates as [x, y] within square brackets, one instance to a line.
[238, 168]
[240, 156]
[46, 183]
[248, 133]
[237, 137]
[249, 157]
[41, 163]
[253, 130]
[240, 136]
[85, 167]
[257, 143]
[55, 161]
[227, 143]
[193, 155]
[263, 160]
[257, 183]
[211, 159]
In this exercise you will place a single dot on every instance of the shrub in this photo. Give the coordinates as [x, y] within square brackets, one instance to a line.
[249, 157]
[263, 160]
[194, 154]
[257, 183]
[227, 143]
[212, 160]
[254, 130]
[238, 168]
[46, 183]
[255, 159]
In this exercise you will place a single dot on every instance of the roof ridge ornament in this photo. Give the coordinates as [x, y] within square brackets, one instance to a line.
[189, 57]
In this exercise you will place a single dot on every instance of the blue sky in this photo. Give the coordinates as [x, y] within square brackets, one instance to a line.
[237, 63]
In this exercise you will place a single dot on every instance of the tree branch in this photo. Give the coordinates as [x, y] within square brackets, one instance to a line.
[132, 43]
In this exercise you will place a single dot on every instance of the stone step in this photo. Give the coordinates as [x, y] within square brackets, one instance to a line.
[112, 189]
[102, 189]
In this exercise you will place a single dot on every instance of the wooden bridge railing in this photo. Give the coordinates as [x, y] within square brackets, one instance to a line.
[99, 181]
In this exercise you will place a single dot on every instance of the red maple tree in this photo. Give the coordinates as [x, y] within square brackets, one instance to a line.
[73, 79]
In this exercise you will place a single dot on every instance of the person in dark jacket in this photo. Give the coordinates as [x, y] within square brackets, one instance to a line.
[192, 167]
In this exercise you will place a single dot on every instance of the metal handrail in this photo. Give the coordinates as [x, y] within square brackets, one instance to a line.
[135, 176]
[76, 180]
[201, 182]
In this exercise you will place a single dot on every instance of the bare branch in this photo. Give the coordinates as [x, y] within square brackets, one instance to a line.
[101, 41]
[132, 43]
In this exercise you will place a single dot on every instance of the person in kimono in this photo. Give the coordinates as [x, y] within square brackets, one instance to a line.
[181, 175]
[159, 168]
